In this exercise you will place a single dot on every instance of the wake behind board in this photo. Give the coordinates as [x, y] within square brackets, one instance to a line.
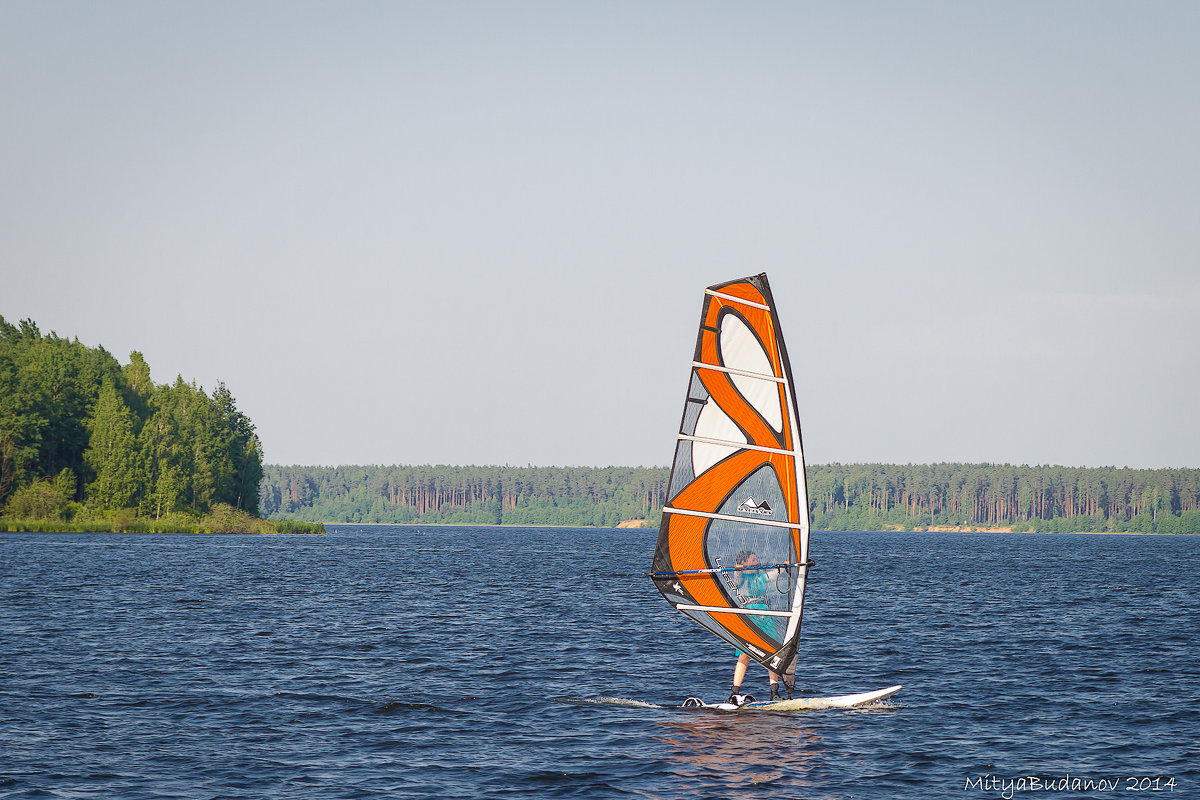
[800, 703]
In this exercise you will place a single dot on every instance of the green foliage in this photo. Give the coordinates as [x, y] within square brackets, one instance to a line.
[297, 527]
[842, 497]
[43, 499]
[1045, 499]
[124, 442]
[113, 454]
[224, 519]
[464, 495]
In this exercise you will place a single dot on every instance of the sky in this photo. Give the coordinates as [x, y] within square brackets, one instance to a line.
[479, 232]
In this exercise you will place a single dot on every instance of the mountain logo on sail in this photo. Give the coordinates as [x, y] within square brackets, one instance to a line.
[752, 506]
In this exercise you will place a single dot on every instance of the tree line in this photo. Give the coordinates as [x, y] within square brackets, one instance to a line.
[842, 496]
[82, 435]
[492, 495]
[1024, 498]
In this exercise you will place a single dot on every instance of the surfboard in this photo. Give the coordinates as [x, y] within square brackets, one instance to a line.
[800, 703]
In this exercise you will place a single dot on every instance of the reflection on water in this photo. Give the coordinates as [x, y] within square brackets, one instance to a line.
[731, 754]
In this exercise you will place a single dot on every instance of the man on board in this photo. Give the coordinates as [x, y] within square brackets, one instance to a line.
[752, 583]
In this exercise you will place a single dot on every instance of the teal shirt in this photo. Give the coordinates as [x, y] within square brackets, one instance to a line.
[754, 585]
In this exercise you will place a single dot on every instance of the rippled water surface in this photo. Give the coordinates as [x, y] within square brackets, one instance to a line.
[536, 662]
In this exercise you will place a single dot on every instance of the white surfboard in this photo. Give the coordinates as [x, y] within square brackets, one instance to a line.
[800, 703]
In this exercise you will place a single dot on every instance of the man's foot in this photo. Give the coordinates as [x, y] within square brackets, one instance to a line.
[739, 700]
[775, 693]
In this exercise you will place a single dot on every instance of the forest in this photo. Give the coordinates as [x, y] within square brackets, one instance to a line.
[603, 496]
[1022, 498]
[842, 496]
[87, 441]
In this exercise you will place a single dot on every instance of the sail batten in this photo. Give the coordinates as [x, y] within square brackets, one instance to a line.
[732, 551]
[742, 372]
[733, 443]
[746, 611]
[743, 520]
[734, 299]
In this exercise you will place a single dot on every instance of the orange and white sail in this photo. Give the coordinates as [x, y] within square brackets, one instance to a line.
[737, 484]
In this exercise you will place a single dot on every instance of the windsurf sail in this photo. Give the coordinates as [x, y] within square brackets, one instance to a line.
[732, 548]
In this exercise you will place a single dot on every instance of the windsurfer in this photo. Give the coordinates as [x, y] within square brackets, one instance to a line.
[753, 584]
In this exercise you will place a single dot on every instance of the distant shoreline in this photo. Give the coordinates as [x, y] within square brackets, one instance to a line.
[933, 529]
[200, 528]
[973, 498]
[42, 526]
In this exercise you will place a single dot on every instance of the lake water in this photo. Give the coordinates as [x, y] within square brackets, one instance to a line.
[533, 662]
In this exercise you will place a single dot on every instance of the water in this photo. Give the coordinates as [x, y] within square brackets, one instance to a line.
[536, 662]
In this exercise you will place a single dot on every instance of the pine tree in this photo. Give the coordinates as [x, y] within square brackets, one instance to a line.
[113, 453]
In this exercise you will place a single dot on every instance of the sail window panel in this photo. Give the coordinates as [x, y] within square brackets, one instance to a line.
[681, 467]
[741, 350]
[726, 542]
[774, 629]
[770, 630]
[705, 619]
[759, 496]
[681, 471]
[713, 623]
[697, 398]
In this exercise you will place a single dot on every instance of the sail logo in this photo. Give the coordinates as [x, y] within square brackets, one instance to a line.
[752, 506]
[741, 598]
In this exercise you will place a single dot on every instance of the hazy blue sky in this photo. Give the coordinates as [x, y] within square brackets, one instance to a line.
[478, 233]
